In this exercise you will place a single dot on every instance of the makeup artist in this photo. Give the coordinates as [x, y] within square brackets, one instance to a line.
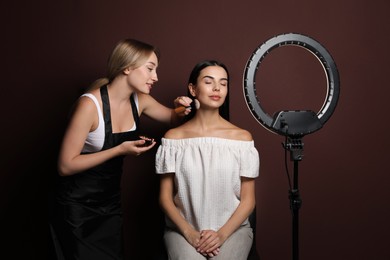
[103, 129]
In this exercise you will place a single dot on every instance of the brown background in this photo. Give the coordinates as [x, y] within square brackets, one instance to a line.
[51, 50]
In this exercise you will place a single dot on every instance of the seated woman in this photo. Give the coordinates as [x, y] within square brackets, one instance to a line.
[208, 168]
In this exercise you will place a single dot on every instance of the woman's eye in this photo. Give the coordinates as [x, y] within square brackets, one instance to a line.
[150, 68]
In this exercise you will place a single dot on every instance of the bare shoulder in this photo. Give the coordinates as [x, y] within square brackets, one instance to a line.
[245, 135]
[171, 133]
[85, 103]
[143, 97]
[175, 133]
[241, 134]
[180, 132]
[145, 100]
[84, 112]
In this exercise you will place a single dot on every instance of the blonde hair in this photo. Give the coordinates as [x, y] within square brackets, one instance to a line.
[128, 53]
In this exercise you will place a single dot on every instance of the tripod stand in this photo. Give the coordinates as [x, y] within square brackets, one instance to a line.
[295, 146]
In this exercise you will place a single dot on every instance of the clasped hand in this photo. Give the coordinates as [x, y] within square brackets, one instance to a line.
[206, 242]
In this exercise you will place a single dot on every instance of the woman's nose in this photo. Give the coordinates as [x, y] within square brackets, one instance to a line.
[154, 77]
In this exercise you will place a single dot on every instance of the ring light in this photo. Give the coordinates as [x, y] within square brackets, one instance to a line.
[287, 122]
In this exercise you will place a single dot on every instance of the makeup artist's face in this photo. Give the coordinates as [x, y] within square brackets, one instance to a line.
[142, 78]
[212, 87]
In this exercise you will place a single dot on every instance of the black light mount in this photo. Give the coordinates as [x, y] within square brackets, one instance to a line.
[287, 122]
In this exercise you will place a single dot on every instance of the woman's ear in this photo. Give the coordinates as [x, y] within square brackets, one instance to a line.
[126, 71]
[191, 88]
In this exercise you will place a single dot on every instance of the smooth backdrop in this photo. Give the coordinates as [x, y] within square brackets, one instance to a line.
[52, 50]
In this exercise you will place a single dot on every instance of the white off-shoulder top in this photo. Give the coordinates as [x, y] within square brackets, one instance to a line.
[207, 176]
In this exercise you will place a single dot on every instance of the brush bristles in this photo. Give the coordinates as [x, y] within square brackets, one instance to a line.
[196, 103]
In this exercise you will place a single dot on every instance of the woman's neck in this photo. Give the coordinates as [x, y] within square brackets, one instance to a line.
[206, 120]
[119, 90]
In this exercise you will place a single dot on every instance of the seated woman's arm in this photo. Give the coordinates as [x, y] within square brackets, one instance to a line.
[212, 240]
[169, 208]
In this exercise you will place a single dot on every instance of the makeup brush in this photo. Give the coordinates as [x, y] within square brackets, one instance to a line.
[195, 104]
[181, 109]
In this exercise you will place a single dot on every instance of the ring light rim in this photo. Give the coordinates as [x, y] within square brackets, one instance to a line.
[307, 43]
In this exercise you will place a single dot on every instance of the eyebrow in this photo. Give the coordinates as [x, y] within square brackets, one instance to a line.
[211, 77]
[151, 62]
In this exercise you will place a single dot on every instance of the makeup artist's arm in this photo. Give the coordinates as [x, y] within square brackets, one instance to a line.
[157, 111]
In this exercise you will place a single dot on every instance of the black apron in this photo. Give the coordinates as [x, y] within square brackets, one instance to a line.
[88, 220]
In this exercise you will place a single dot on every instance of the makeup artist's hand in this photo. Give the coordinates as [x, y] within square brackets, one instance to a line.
[135, 147]
[182, 105]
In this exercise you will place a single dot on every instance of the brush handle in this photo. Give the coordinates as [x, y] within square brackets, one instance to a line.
[180, 109]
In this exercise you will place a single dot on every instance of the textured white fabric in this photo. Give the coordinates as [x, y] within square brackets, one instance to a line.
[95, 139]
[207, 174]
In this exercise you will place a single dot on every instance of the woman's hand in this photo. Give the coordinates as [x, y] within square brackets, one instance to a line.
[209, 243]
[182, 105]
[136, 147]
[192, 237]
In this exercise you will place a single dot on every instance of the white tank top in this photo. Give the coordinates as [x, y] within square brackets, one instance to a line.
[95, 139]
